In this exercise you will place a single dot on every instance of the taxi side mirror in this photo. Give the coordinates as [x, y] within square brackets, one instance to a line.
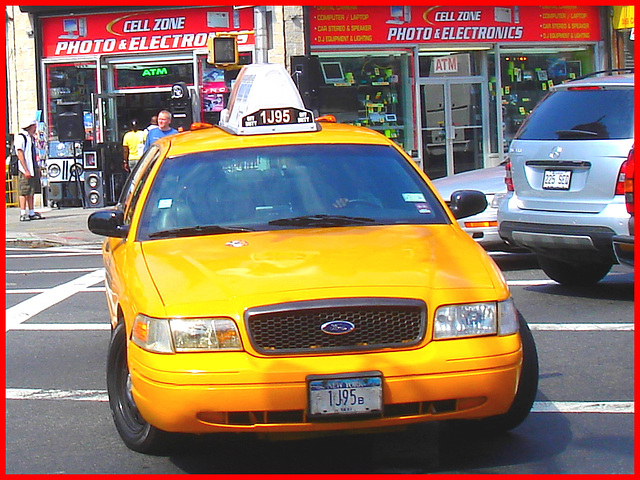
[109, 223]
[465, 203]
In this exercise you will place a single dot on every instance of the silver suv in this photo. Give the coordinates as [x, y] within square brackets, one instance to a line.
[565, 178]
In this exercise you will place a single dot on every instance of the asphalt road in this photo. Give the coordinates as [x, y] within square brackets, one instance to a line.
[58, 420]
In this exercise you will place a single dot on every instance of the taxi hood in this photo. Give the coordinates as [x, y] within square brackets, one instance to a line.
[217, 268]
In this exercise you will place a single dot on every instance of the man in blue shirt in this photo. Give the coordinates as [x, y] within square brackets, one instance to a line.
[164, 129]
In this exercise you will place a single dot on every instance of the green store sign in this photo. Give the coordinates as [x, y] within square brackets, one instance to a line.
[155, 72]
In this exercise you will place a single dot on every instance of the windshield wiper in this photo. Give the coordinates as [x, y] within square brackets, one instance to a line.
[322, 221]
[197, 230]
[575, 133]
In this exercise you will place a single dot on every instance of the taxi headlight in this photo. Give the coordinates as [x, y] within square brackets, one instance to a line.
[185, 334]
[474, 319]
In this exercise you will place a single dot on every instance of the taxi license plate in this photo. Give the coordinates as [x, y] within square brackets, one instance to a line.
[556, 180]
[358, 395]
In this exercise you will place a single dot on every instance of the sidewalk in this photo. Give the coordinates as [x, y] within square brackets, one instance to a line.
[63, 226]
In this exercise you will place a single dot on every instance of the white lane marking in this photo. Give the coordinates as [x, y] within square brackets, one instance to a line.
[101, 396]
[564, 327]
[56, 254]
[51, 270]
[63, 327]
[529, 283]
[52, 394]
[541, 282]
[583, 327]
[583, 407]
[25, 310]
[61, 248]
[24, 291]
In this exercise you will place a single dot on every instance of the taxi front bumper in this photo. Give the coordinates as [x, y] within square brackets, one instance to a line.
[270, 395]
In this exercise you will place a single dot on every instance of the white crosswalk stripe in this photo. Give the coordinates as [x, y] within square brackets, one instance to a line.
[101, 396]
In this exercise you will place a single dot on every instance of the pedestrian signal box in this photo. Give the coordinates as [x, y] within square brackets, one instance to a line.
[223, 50]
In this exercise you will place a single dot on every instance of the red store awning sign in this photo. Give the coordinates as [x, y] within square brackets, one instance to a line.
[421, 24]
[147, 31]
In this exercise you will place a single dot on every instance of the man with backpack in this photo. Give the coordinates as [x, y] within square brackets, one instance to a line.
[28, 171]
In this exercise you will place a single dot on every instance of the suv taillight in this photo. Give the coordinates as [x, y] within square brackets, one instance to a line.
[621, 177]
[628, 182]
[508, 179]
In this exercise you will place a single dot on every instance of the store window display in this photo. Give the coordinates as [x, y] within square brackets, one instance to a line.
[68, 83]
[371, 91]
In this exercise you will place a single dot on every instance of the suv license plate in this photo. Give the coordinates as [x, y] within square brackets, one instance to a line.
[345, 396]
[556, 180]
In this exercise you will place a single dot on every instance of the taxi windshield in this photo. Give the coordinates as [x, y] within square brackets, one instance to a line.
[285, 187]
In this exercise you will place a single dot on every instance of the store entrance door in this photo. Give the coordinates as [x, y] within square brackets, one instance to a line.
[453, 134]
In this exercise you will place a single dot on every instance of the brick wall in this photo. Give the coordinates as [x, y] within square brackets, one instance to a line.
[21, 67]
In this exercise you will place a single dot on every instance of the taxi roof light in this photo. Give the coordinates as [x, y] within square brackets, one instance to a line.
[265, 100]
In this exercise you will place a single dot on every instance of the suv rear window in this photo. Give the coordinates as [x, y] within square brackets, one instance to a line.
[581, 115]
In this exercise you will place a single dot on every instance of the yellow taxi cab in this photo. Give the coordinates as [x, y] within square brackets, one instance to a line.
[276, 274]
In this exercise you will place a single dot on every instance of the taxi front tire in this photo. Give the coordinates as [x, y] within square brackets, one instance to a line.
[136, 433]
[525, 394]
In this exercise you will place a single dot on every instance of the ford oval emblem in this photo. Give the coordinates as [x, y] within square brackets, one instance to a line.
[338, 327]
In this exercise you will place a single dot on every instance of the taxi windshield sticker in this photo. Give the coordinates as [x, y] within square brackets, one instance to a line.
[165, 203]
[423, 208]
[413, 197]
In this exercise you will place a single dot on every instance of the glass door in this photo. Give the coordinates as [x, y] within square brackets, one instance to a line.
[452, 126]
[105, 111]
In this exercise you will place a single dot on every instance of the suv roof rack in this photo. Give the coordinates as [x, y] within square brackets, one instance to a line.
[606, 72]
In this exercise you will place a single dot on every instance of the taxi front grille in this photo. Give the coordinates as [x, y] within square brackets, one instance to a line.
[298, 327]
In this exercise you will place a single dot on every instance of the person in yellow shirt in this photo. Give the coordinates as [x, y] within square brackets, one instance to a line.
[133, 145]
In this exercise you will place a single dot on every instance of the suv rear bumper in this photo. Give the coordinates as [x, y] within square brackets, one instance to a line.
[623, 246]
[555, 240]
[577, 235]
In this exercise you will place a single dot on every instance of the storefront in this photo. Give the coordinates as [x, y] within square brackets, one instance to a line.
[122, 66]
[451, 85]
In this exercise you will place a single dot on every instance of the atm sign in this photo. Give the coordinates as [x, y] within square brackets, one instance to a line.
[155, 72]
[445, 64]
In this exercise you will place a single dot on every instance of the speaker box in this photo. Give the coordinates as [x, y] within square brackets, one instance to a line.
[70, 122]
[306, 75]
[94, 190]
[65, 194]
[180, 106]
[55, 192]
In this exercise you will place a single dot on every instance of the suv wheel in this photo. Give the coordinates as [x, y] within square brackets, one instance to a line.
[573, 274]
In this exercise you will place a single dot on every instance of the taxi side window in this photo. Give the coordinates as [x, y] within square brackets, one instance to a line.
[135, 182]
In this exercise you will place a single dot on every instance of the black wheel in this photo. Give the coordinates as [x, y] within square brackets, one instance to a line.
[574, 274]
[136, 433]
[527, 386]
[525, 394]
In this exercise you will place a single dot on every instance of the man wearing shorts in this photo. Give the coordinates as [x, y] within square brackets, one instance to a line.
[29, 171]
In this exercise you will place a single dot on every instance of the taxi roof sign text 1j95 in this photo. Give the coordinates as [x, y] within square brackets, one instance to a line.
[265, 100]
